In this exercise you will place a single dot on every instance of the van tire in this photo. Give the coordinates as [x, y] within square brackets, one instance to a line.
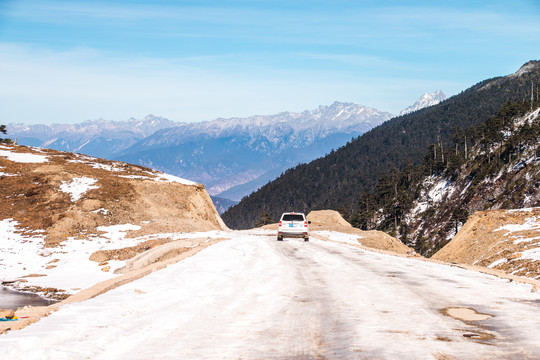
[279, 238]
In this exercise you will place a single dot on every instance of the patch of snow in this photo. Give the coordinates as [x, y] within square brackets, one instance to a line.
[118, 232]
[136, 177]
[78, 186]
[521, 210]
[339, 236]
[6, 174]
[531, 254]
[419, 208]
[440, 190]
[171, 178]
[498, 262]
[104, 167]
[531, 223]
[160, 177]
[101, 211]
[466, 188]
[23, 157]
[522, 239]
[18, 252]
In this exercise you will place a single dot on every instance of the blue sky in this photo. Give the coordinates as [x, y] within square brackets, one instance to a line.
[70, 61]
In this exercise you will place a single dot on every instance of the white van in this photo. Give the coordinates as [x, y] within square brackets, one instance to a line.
[293, 224]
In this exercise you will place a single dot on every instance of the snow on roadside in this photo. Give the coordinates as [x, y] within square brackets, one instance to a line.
[19, 254]
[23, 157]
[68, 266]
[117, 232]
[78, 187]
[339, 236]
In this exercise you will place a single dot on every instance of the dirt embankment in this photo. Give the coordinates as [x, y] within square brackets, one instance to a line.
[37, 195]
[331, 220]
[507, 240]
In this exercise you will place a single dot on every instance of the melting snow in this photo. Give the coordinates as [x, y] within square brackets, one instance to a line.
[118, 232]
[172, 178]
[441, 189]
[21, 255]
[18, 253]
[532, 254]
[498, 262]
[78, 186]
[23, 157]
[531, 223]
[104, 167]
[339, 236]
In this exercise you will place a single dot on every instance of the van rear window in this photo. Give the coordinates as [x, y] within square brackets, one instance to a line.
[291, 217]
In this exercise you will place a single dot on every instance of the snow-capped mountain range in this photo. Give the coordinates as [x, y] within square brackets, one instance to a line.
[426, 100]
[101, 138]
[232, 157]
[224, 153]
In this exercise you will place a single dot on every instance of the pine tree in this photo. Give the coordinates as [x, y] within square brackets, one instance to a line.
[264, 219]
[4, 131]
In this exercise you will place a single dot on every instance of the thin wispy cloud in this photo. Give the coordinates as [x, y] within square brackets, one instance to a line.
[243, 57]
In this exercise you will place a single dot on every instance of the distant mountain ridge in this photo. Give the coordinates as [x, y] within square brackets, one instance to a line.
[101, 138]
[225, 153]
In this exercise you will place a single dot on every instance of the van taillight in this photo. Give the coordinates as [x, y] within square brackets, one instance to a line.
[305, 223]
[279, 223]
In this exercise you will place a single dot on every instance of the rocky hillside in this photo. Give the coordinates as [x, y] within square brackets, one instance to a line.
[70, 195]
[493, 166]
[507, 240]
[57, 208]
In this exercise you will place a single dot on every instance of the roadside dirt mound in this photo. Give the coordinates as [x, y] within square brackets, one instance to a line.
[64, 195]
[507, 240]
[332, 220]
[327, 220]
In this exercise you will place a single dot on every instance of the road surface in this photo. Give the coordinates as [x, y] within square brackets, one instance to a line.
[253, 297]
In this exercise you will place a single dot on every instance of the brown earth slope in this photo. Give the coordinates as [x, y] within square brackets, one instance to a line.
[31, 193]
[507, 240]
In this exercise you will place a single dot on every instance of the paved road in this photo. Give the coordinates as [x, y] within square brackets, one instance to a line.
[256, 298]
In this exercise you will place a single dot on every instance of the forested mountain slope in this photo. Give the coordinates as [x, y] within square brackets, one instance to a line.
[495, 165]
[338, 180]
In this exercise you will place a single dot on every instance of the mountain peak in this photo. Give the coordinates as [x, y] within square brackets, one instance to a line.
[426, 100]
[527, 67]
